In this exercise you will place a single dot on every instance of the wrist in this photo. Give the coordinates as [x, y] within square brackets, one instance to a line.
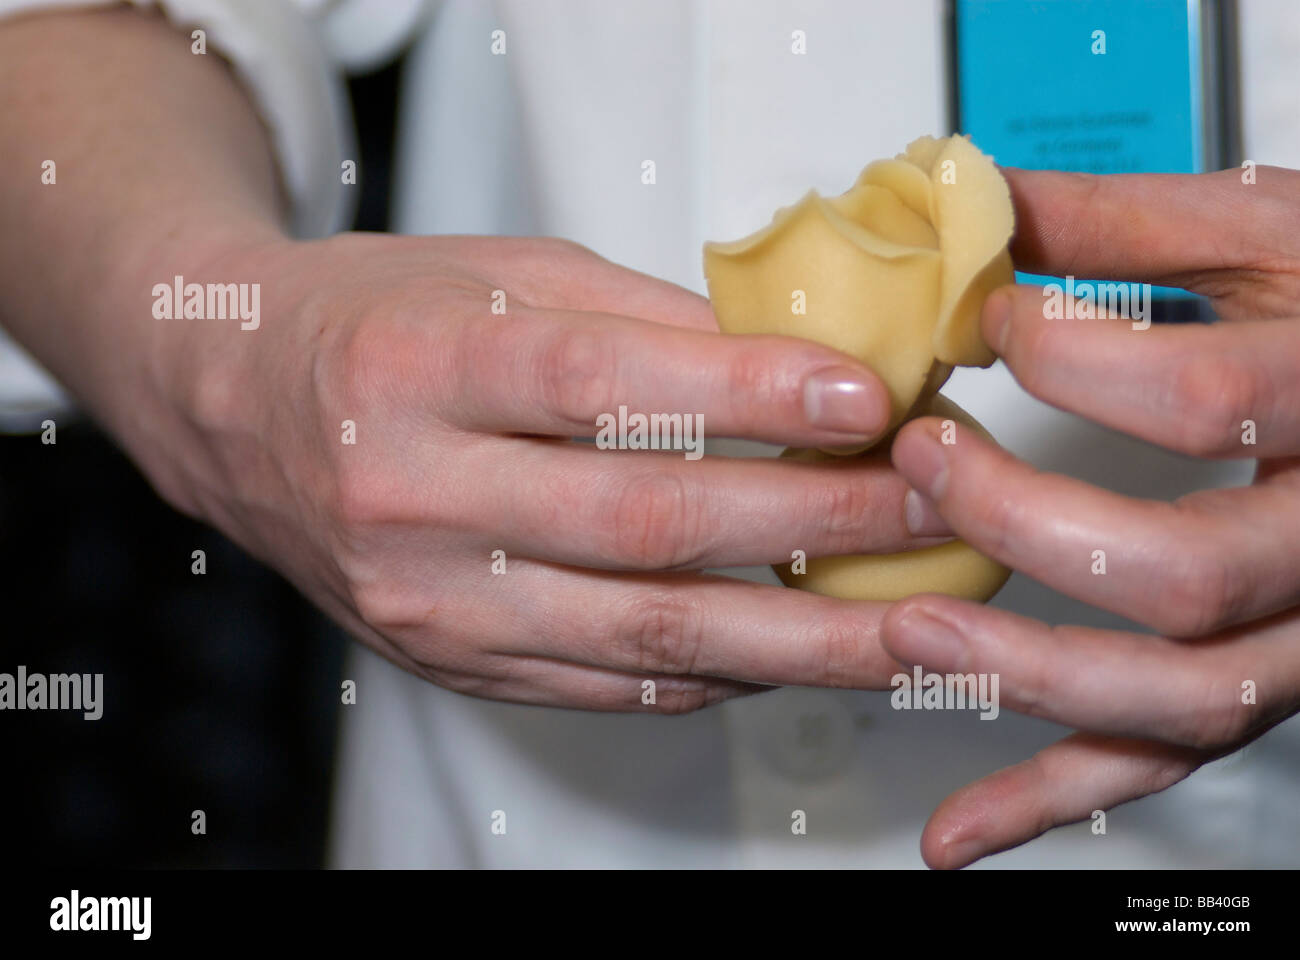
[201, 301]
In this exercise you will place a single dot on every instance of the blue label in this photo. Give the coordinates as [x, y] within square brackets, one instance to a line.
[1095, 86]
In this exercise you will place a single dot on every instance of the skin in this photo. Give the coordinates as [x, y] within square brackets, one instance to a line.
[1215, 574]
[463, 417]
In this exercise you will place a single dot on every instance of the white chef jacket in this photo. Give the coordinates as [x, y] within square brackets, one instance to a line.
[549, 139]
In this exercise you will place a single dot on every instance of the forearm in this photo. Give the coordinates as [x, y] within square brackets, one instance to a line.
[161, 163]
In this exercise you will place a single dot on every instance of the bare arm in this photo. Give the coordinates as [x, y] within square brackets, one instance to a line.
[160, 162]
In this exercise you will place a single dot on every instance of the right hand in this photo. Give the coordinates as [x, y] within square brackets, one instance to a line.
[463, 427]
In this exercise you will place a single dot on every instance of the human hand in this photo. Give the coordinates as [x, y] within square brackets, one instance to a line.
[1216, 574]
[453, 404]
[462, 425]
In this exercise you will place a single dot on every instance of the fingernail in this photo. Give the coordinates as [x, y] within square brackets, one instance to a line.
[959, 853]
[839, 399]
[923, 518]
[920, 457]
[929, 641]
[997, 308]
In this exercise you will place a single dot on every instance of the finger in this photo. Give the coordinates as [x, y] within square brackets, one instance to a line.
[1186, 568]
[1152, 227]
[1208, 694]
[557, 373]
[448, 644]
[1219, 390]
[1064, 783]
[543, 682]
[613, 289]
[575, 504]
[670, 625]
[549, 273]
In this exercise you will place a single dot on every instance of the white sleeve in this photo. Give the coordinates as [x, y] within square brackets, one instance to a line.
[290, 55]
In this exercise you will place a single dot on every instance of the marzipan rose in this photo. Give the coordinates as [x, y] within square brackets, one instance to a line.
[894, 272]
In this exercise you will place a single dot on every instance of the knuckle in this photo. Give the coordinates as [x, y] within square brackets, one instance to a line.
[354, 504]
[1221, 720]
[1038, 685]
[1203, 593]
[1090, 237]
[1031, 348]
[403, 611]
[564, 247]
[1044, 816]
[845, 506]
[362, 497]
[355, 367]
[998, 520]
[216, 399]
[662, 634]
[365, 492]
[677, 696]
[466, 683]
[753, 389]
[1164, 772]
[377, 604]
[658, 523]
[1041, 772]
[482, 358]
[836, 653]
[577, 373]
[541, 265]
[1214, 395]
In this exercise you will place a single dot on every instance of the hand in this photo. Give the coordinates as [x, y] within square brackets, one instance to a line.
[1216, 573]
[166, 169]
[462, 426]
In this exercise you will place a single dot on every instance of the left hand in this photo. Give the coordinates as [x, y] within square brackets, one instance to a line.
[1216, 574]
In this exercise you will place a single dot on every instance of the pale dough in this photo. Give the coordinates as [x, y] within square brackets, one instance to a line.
[954, 568]
[893, 272]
